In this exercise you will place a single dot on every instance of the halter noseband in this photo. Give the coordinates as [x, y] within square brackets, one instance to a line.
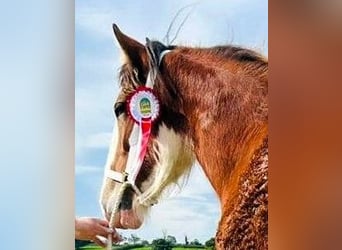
[137, 152]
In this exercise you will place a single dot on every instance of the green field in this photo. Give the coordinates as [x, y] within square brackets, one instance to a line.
[181, 248]
[90, 247]
[99, 248]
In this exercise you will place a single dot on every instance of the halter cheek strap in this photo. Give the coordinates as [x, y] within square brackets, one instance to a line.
[162, 54]
[136, 156]
[138, 149]
[151, 77]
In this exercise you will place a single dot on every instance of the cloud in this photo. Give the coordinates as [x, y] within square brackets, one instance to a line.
[194, 212]
[89, 20]
[100, 140]
[94, 117]
[82, 169]
[209, 24]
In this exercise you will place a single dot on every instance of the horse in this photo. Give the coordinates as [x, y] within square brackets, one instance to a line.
[211, 108]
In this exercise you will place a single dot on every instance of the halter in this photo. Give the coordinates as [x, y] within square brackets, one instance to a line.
[138, 148]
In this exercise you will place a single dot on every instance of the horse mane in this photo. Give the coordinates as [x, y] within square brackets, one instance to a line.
[254, 63]
[251, 62]
[239, 54]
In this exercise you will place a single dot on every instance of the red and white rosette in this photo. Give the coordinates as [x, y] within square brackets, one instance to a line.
[143, 104]
[143, 107]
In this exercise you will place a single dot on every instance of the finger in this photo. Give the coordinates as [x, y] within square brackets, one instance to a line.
[103, 222]
[104, 231]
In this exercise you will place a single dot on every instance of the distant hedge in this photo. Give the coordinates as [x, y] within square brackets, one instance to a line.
[193, 246]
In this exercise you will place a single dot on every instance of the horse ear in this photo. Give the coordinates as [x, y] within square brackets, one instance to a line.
[134, 51]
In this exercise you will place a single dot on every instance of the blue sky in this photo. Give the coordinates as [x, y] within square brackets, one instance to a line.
[193, 211]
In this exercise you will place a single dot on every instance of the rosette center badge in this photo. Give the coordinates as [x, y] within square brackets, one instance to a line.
[143, 104]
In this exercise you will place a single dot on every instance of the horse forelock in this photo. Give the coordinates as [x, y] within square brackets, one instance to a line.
[128, 80]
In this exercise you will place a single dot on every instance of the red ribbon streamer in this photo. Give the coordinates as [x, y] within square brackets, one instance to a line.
[145, 127]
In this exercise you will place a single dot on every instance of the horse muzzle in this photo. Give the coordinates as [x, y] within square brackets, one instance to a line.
[121, 211]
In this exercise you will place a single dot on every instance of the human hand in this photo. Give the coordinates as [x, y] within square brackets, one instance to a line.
[87, 228]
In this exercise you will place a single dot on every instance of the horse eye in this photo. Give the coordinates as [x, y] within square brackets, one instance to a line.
[119, 108]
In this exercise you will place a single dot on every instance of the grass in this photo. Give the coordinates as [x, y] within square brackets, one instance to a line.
[193, 248]
[93, 247]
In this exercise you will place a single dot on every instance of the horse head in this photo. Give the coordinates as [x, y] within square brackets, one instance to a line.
[132, 184]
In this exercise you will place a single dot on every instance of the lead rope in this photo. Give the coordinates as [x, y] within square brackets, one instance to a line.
[116, 208]
[109, 241]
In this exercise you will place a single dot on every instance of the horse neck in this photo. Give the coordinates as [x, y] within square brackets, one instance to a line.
[247, 215]
[227, 117]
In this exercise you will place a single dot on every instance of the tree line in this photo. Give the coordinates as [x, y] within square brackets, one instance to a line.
[167, 242]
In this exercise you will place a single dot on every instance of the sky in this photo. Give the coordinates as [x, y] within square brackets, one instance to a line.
[194, 210]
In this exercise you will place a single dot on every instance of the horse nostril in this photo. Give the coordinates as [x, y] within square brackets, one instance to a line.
[126, 201]
[125, 204]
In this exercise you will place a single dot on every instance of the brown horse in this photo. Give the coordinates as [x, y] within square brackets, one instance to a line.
[213, 109]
